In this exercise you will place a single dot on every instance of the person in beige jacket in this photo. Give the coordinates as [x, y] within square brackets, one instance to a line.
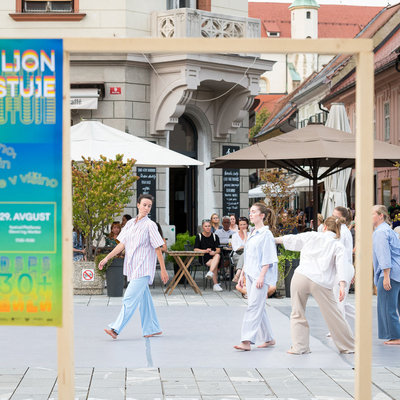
[322, 262]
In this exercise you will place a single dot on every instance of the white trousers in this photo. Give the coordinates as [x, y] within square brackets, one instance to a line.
[255, 319]
[348, 310]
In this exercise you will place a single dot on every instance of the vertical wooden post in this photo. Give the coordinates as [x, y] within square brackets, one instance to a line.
[364, 199]
[65, 333]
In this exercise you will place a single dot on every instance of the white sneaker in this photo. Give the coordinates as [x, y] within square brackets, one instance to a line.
[217, 288]
[209, 275]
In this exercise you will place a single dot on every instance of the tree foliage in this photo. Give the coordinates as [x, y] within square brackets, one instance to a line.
[101, 189]
[261, 118]
[278, 190]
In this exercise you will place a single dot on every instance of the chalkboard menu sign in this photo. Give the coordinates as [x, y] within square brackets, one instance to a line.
[147, 185]
[230, 186]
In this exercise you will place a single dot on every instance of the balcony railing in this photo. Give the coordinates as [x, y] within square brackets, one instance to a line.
[187, 22]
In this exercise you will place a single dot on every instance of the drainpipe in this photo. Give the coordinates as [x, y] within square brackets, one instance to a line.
[286, 75]
[167, 185]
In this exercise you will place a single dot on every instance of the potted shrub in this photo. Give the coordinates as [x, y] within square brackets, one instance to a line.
[101, 190]
[113, 273]
[288, 261]
[183, 242]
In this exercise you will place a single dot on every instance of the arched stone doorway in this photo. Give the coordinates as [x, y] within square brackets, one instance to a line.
[183, 181]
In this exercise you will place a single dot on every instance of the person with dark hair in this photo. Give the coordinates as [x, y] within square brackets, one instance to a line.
[260, 269]
[386, 258]
[164, 248]
[224, 234]
[111, 238]
[322, 257]
[77, 245]
[142, 244]
[234, 227]
[125, 219]
[393, 208]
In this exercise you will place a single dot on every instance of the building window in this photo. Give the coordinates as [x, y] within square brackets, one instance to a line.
[47, 10]
[172, 4]
[308, 15]
[386, 191]
[273, 34]
[54, 6]
[386, 116]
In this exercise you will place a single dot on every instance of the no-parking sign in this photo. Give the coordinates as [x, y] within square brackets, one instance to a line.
[88, 275]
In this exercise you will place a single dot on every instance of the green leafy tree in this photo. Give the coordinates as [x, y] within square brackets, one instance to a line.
[261, 118]
[101, 189]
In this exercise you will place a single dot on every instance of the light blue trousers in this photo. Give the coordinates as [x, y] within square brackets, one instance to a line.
[138, 294]
[388, 308]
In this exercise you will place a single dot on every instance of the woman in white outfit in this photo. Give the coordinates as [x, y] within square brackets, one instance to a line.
[322, 257]
[348, 311]
[260, 268]
[238, 242]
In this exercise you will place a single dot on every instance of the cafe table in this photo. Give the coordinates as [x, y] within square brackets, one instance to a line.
[183, 269]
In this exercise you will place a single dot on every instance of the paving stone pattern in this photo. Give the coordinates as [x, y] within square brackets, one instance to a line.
[196, 384]
[168, 371]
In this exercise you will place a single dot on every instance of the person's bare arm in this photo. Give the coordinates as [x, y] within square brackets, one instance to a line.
[164, 273]
[120, 247]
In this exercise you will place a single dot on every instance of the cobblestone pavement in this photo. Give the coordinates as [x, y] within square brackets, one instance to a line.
[193, 359]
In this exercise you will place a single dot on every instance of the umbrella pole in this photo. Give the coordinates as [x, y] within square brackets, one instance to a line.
[315, 200]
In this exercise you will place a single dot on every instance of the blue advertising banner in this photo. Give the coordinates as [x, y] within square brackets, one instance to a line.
[31, 120]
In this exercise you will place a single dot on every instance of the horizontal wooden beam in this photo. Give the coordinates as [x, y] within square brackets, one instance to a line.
[217, 45]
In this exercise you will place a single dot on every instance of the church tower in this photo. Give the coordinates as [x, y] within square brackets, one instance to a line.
[304, 24]
[304, 19]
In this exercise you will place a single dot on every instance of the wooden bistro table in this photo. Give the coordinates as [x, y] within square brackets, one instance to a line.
[183, 269]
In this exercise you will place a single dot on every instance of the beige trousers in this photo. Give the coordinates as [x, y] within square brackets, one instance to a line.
[301, 288]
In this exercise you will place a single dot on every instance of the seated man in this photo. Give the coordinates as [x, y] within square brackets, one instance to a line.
[208, 243]
[224, 233]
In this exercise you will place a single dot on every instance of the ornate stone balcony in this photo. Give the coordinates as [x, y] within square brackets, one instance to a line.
[187, 22]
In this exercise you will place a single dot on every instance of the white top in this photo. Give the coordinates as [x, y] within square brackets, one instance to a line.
[322, 258]
[320, 228]
[260, 250]
[224, 235]
[347, 240]
[237, 241]
[140, 238]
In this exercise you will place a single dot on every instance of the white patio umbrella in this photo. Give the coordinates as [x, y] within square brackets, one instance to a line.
[299, 185]
[92, 139]
[335, 184]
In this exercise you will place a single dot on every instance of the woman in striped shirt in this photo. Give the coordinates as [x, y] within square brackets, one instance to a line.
[142, 244]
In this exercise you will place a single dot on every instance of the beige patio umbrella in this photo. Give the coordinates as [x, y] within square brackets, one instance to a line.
[314, 146]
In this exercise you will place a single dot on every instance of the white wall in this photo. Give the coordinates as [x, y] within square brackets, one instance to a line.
[238, 8]
[276, 77]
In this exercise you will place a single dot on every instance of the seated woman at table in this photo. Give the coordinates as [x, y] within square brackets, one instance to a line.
[238, 241]
[208, 243]
[111, 238]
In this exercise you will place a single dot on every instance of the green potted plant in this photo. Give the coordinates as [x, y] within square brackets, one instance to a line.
[288, 261]
[100, 191]
[113, 273]
[182, 242]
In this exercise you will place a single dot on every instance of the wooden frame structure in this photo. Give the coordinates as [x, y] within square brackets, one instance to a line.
[363, 51]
